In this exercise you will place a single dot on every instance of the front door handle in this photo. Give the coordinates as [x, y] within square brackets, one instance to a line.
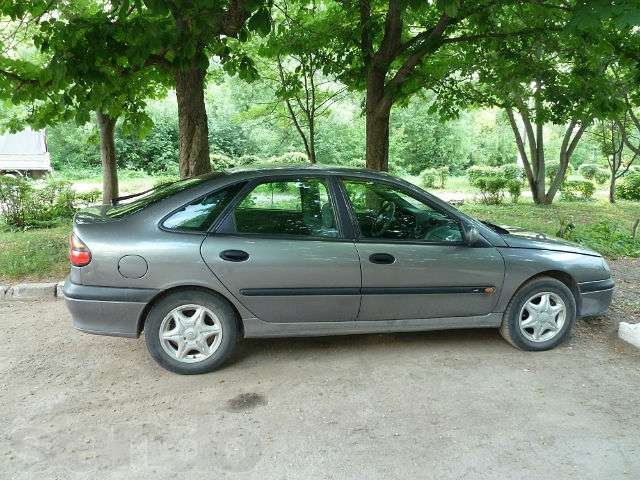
[234, 255]
[382, 258]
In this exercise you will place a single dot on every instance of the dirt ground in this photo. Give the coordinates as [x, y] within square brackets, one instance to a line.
[459, 404]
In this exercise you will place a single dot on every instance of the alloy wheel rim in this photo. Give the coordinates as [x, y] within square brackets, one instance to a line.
[190, 333]
[542, 317]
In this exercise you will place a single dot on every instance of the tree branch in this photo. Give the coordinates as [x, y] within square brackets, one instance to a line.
[292, 113]
[483, 36]
[366, 41]
[521, 148]
[392, 33]
[431, 42]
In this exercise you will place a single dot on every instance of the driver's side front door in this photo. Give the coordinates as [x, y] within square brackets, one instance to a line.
[414, 261]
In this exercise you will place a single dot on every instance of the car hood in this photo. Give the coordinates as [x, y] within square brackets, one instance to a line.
[522, 238]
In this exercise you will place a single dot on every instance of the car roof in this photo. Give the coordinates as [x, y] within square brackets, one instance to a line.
[252, 172]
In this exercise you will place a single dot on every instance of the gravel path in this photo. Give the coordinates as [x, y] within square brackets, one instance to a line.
[461, 404]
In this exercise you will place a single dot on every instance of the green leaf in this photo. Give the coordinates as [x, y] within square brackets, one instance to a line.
[157, 6]
[260, 22]
[450, 7]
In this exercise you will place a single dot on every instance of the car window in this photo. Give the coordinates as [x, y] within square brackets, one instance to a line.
[198, 215]
[133, 203]
[299, 207]
[389, 212]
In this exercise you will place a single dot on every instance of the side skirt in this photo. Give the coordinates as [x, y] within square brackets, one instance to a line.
[255, 328]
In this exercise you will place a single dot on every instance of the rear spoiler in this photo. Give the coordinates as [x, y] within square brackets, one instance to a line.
[116, 200]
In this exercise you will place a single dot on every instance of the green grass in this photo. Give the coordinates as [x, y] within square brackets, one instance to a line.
[129, 181]
[459, 184]
[34, 254]
[598, 224]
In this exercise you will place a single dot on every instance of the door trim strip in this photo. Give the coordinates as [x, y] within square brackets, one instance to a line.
[287, 292]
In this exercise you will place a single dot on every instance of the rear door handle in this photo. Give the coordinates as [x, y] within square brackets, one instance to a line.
[234, 255]
[382, 258]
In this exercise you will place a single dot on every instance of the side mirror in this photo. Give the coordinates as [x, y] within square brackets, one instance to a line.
[472, 236]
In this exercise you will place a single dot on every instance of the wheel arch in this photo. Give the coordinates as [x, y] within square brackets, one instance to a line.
[561, 276]
[183, 288]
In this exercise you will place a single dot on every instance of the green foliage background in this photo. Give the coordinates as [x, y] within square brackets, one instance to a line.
[240, 127]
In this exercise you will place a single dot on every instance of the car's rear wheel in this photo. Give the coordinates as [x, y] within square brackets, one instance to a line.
[190, 332]
[540, 315]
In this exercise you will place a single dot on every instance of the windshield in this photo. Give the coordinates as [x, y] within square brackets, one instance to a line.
[154, 195]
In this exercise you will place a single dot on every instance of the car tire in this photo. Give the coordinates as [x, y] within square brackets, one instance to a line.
[519, 327]
[217, 313]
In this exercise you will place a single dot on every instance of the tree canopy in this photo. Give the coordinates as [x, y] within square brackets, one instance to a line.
[544, 63]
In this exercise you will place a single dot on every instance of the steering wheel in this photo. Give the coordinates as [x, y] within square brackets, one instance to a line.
[383, 219]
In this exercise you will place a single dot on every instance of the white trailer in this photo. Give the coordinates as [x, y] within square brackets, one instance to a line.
[25, 152]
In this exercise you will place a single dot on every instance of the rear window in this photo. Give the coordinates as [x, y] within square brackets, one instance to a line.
[135, 204]
[198, 215]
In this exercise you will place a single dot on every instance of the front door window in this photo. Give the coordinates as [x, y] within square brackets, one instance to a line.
[387, 212]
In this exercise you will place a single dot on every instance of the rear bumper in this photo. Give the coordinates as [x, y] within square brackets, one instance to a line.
[106, 310]
[595, 297]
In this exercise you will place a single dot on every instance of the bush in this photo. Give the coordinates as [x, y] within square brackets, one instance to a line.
[154, 152]
[14, 193]
[442, 174]
[511, 171]
[594, 173]
[514, 187]
[492, 182]
[629, 188]
[434, 177]
[577, 189]
[85, 199]
[551, 170]
[25, 204]
[492, 189]
[481, 171]
[428, 178]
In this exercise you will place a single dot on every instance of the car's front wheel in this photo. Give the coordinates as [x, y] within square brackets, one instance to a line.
[540, 315]
[190, 332]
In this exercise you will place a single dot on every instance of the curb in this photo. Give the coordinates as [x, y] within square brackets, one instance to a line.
[32, 291]
[630, 333]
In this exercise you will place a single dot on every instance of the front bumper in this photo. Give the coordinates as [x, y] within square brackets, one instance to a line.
[595, 297]
[107, 310]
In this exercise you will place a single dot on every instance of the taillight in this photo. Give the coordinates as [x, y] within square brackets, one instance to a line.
[79, 253]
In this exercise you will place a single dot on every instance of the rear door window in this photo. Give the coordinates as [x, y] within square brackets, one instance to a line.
[300, 208]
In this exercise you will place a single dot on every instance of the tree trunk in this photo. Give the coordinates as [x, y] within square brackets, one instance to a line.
[556, 183]
[312, 140]
[377, 153]
[378, 112]
[539, 193]
[192, 122]
[533, 161]
[568, 146]
[106, 125]
[612, 189]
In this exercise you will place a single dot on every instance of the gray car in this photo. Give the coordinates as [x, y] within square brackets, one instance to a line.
[201, 263]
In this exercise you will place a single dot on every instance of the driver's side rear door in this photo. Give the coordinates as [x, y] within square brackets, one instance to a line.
[414, 261]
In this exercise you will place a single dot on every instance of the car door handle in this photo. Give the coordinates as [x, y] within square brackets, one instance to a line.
[234, 255]
[382, 258]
